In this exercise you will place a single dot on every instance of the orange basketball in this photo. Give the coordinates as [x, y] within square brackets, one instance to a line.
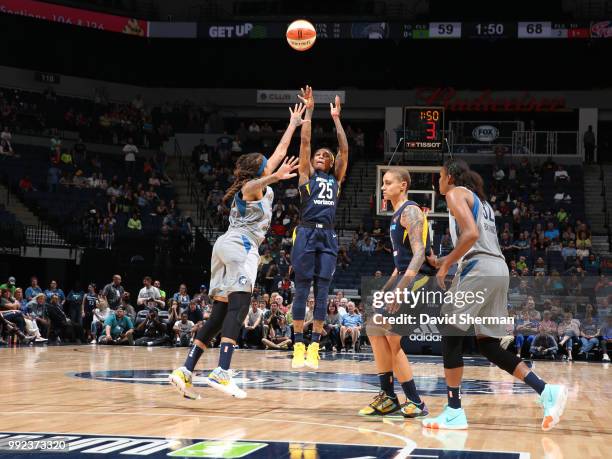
[301, 35]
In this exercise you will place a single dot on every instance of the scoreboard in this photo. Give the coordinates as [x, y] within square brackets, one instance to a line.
[423, 128]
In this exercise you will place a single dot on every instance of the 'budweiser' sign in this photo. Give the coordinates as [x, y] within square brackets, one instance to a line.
[601, 29]
[487, 101]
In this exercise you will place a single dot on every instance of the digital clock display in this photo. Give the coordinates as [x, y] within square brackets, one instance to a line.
[423, 128]
[490, 30]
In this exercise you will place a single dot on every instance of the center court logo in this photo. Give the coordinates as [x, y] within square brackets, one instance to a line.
[308, 382]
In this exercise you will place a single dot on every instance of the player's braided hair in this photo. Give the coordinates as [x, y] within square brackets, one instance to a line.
[247, 167]
[464, 176]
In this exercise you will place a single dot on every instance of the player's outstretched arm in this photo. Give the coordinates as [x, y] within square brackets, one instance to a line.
[305, 168]
[252, 190]
[295, 120]
[342, 156]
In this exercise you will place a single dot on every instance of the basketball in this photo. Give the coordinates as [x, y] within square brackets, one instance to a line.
[301, 35]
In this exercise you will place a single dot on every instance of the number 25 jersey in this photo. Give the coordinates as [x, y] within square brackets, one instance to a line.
[319, 199]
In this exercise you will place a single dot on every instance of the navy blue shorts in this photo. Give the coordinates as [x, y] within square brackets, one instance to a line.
[314, 253]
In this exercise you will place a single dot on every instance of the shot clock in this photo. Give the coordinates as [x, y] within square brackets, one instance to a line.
[423, 128]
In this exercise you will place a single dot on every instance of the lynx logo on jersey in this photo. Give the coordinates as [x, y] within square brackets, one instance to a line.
[242, 280]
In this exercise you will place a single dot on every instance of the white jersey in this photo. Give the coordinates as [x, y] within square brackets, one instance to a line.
[487, 243]
[252, 218]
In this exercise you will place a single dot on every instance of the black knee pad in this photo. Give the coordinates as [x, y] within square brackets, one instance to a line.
[491, 349]
[213, 325]
[452, 351]
[237, 310]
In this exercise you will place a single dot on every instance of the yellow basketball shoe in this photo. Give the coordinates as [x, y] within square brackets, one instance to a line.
[181, 378]
[312, 356]
[382, 405]
[298, 355]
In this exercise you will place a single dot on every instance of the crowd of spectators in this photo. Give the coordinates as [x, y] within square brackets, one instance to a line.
[109, 315]
[97, 119]
[561, 329]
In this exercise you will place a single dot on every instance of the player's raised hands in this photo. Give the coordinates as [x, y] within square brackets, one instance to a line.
[296, 119]
[307, 97]
[287, 168]
[335, 109]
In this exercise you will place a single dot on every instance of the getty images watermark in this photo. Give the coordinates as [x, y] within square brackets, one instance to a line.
[470, 300]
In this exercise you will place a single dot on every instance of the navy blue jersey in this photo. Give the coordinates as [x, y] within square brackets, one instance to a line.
[402, 251]
[90, 301]
[319, 199]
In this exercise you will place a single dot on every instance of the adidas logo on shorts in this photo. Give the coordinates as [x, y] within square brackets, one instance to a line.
[426, 333]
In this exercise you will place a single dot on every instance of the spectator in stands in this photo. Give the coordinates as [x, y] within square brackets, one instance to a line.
[195, 314]
[583, 244]
[270, 316]
[182, 297]
[183, 331]
[151, 331]
[547, 324]
[157, 284]
[332, 326]
[149, 295]
[561, 175]
[54, 290]
[351, 325]
[25, 184]
[79, 152]
[74, 302]
[36, 310]
[286, 288]
[252, 327]
[551, 232]
[589, 335]
[568, 332]
[592, 264]
[540, 266]
[367, 244]
[10, 285]
[6, 147]
[569, 251]
[544, 345]
[526, 329]
[130, 311]
[118, 329]
[134, 223]
[53, 178]
[113, 292]
[130, 150]
[606, 338]
[377, 230]
[31, 328]
[498, 174]
[280, 335]
[343, 258]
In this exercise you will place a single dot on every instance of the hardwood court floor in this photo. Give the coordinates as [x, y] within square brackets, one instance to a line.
[122, 391]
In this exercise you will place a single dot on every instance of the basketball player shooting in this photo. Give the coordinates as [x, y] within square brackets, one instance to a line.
[315, 243]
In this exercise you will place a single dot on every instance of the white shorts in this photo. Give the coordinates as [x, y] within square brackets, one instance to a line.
[233, 266]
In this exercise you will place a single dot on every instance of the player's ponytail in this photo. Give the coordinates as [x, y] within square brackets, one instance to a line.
[462, 175]
[247, 168]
